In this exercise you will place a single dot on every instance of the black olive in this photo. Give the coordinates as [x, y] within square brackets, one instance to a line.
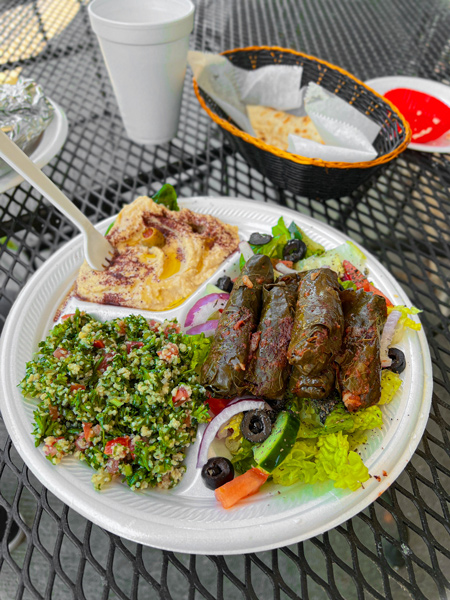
[256, 426]
[294, 250]
[272, 415]
[277, 405]
[398, 360]
[225, 283]
[259, 239]
[217, 471]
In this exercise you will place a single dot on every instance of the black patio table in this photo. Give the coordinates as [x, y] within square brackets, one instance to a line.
[399, 547]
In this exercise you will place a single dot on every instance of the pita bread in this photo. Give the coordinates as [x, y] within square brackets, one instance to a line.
[273, 126]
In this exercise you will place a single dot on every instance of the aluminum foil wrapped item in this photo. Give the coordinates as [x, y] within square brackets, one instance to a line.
[271, 104]
[24, 114]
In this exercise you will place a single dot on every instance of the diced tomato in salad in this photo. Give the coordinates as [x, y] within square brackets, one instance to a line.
[112, 466]
[360, 280]
[99, 344]
[89, 431]
[131, 345]
[123, 441]
[355, 275]
[49, 446]
[83, 441]
[216, 405]
[75, 387]
[53, 412]
[106, 360]
[181, 395]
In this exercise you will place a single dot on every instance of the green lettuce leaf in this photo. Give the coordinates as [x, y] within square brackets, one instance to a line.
[312, 247]
[274, 248]
[281, 236]
[109, 228]
[329, 458]
[280, 229]
[332, 455]
[240, 448]
[390, 383]
[338, 420]
[167, 196]
[326, 451]
[295, 231]
[199, 345]
[243, 459]
[348, 285]
[299, 465]
[353, 474]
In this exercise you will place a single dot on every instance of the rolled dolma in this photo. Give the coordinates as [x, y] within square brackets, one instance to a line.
[315, 386]
[359, 360]
[318, 324]
[224, 370]
[269, 370]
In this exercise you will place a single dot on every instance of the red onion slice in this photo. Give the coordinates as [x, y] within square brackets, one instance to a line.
[205, 307]
[246, 250]
[386, 337]
[207, 328]
[225, 415]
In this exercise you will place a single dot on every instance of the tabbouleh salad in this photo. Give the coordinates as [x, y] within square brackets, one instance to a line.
[121, 395]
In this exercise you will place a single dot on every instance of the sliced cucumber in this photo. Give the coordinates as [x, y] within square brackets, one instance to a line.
[277, 446]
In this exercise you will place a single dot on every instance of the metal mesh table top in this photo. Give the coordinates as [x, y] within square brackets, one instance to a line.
[398, 547]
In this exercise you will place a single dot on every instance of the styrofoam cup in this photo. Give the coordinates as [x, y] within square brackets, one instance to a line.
[144, 45]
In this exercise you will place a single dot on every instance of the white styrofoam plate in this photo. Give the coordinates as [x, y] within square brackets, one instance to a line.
[187, 518]
[51, 142]
[427, 86]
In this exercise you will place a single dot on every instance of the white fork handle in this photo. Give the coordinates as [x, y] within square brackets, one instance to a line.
[20, 162]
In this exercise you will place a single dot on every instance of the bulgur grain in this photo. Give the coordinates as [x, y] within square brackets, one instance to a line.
[112, 406]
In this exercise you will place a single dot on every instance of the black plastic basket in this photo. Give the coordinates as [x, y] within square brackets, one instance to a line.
[311, 177]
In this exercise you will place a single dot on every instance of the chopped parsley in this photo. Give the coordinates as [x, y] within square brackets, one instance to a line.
[121, 395]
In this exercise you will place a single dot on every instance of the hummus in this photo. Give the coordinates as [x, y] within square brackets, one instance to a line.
[162, 257]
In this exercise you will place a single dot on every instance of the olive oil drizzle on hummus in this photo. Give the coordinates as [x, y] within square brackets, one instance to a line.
[162, 256]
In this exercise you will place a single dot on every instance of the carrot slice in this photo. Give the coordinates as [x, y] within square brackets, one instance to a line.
[240, 487]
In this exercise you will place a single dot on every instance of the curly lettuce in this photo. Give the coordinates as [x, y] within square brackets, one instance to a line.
[405, 321]
[327, 451]
[281, 236]
[390, 383]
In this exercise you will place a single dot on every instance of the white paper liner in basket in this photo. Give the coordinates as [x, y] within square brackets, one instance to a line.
[347, 133]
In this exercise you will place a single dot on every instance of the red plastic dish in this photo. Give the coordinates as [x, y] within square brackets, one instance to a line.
[428, 117]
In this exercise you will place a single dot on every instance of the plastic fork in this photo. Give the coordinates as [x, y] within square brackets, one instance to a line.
[97, 250]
